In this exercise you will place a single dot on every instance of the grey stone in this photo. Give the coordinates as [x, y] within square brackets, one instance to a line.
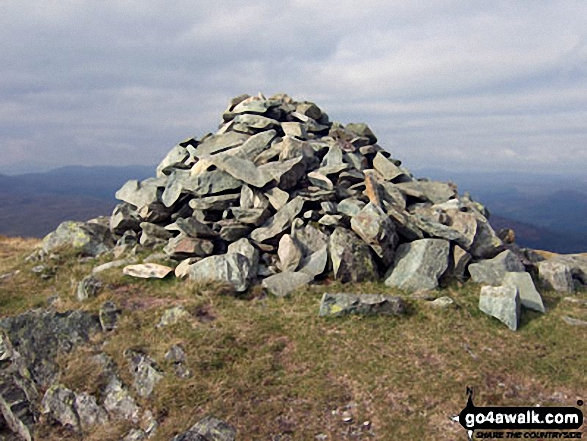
[331, 220]
[291, 148]
[350, 206]
[219, 203]
[287, 173]
[87, 239]
[108, 314]
[329, 207]
[556, 276]
[182, 247]
[529, 297]
[333, 157]
[210, 182]
[138, 193]
[486, 243]
[154, 212]
[386, 168]
[363, 130]
[153, 235]
[443, 302]
[208, 429]
[147, 271]
[438, 230]
[123, 218]
[88, 287]
[174, 315]
[118, 401]
[173, 190]
[113, 264]
[573, 321]
[289, 252]
[320, 180]
[284, 283]
[90, 413]
[351, 257]
[295, 129]
[232, 230]
[280, 222]
[251, 216]
[310, 238]
[233, 268]
[277, 198]
[366, 304]
[192, 228]
[220, 143]
[41, 335]
[255, 121]
[418, 265]
[176, 158]
[243, 246]
[183, 268]
[253, 146]
[145, 372]
[493, 271]
[503, 303]
[316, 263]
[242, 169]
[58, 402]
[374, 226]
[18, 411]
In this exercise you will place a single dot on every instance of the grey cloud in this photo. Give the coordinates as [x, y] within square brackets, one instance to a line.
[460, 83]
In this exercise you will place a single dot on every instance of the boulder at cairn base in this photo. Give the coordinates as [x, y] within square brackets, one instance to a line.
[529, 297]
[503, 303]
[351, 257]
[556, 276]
[147, 271]
[492, 271]
[418, 265]
[365, 304]
[85, 238]
[233, 268]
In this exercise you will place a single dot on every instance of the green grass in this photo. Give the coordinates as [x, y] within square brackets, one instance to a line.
[275, 370]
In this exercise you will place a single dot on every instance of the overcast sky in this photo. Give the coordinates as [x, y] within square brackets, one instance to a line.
[478, 85]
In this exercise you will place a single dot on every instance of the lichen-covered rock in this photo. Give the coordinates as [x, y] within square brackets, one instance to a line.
[233, 268]
[503, 303]
[41, 335]
[108, 315]
[174, 315]
[88, 287]
[145, 371]
[493, 271]
[366, 304]
[208, 429]
[59, 403]
[351, 257]
[418, 265]
[529, 296]
[284, 283]
[85, 238]
[556, 275]
[377, 230]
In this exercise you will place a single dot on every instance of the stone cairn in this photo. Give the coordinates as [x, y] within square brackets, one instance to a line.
[281, 195]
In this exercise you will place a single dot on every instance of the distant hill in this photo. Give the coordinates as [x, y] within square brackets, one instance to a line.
[35, 204]
[547, 211]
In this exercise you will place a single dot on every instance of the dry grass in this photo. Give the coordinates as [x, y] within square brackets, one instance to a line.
[275, 370]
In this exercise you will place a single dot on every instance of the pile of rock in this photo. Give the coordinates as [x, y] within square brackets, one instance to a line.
[282, 195]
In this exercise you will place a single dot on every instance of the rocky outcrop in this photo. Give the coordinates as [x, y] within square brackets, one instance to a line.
[364, 304]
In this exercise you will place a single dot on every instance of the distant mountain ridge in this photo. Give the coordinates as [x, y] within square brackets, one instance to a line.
[547, 211]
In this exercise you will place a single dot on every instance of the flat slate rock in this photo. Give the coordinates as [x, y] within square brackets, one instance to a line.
[147, 271]
[286, 282]
[493, 271]
[418, 265]
[365, 304]
[233, 268]
[503, 303]
[529, 296]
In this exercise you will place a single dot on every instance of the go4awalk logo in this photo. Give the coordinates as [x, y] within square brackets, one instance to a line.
[520, 422]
